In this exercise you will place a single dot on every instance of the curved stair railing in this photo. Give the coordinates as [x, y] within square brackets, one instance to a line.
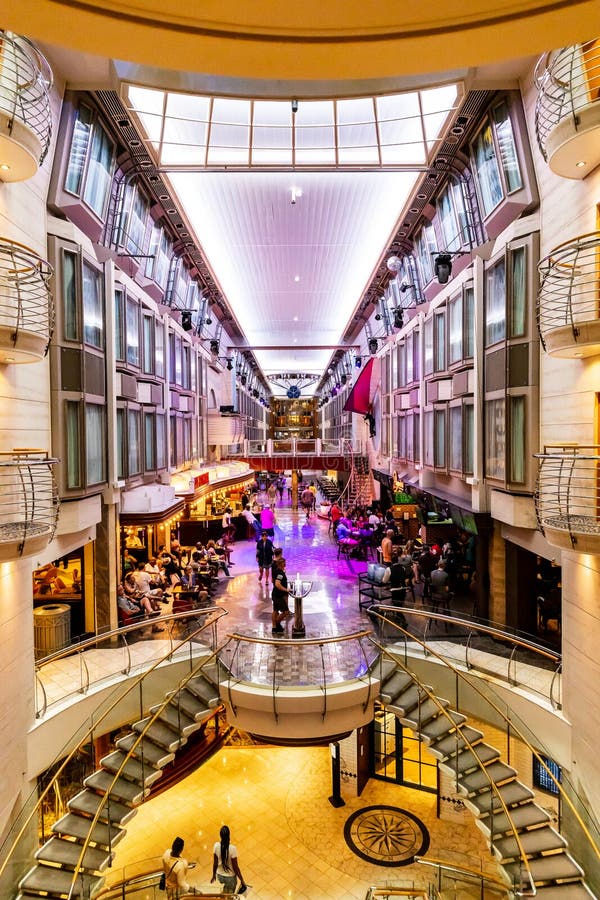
[72, 860]
[532, 854]
[359, 481]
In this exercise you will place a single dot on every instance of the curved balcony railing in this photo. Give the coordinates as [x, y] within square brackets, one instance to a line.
[567, 111]
[584, 831]
[25, 112]
[567, 498]
[484, 648]
[122, 652]
[568, 304]
[26, 306]
[28, 503]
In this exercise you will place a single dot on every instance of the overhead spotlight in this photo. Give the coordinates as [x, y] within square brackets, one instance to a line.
[243, 379]
[208, 320]
[255, 394]
[373, 346]
[186, 320]
[344, 379]
[214, 348]
[442, 266]
[394, 264]
[358, 362]
[294, 106]
[229, 364]
[378, 317]
[406, 287]
[398, 318]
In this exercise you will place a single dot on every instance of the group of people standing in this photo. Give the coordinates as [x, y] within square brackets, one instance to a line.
[225, 867]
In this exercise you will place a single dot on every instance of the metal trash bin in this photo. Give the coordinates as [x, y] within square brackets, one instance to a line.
[51, 628]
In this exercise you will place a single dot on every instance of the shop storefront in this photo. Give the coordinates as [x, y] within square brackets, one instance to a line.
[60, 588]
[149, 518]
[206, 495]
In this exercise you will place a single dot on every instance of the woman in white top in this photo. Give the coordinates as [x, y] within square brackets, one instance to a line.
[175, 868]
[225, 864]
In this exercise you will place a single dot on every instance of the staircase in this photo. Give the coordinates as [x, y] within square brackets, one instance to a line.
[483, 778]
[359, 489]
[97, 815]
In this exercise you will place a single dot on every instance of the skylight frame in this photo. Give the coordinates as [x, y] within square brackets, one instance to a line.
[332, 138]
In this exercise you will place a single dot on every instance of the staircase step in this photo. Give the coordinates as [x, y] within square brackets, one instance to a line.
[440, 727]
[195, 707]
[121, 790]
[456, 741]
[66, 853]
[408, 699]
[512, 793]
[573, 891]
[132, 769]
[480, 780]
[395, 685]
[89, 803]
[175, 718]
[79, 827]
[153, 754]
[537, 840]
[424, 712]
[527, 815]
[53, 880]
[469, 759]
[553, 867]
[161, 734]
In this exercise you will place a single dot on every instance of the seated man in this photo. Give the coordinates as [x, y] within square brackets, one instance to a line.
[144, 583]
[132, 607]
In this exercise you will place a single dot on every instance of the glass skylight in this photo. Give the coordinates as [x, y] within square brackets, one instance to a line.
[185, 130]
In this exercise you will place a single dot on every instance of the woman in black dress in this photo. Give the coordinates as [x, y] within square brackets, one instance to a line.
[279, 596]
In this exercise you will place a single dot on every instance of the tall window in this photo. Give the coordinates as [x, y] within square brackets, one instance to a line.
[121, 444]
[518, 292]
[159, 346]
[428, 347]
[148, 352]
[133, 332]
[424, 248]
[455, 434]
[439, 430]
[135, 213]
[159, 257]
[161, 441]
[495, 304]
[469, 437]
[93, 307]
[469, 319]
[517, 439]
[91, 162]
[95, 442]
[119, 324]
[497, 168]
[73, 446]
[455, 343]
[495, 437]
[149, 441]
[133, 442]
[428, 450]
[409, 350]
[439, 320]
[69, 274]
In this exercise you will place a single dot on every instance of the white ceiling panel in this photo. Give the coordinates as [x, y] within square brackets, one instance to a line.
[293, 272]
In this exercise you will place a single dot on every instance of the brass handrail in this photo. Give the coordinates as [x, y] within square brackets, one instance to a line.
[130, 686]
[300, 642]
[515, 728]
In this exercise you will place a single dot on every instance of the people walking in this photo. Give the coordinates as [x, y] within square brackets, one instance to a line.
[225, 864]
[175, 869]
[279, 596]
[267, 520]
[264, 556]
[307, 500]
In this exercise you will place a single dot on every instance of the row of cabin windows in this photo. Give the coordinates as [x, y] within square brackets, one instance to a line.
[449, 336]
[448, 438]
[497, 175]
[90, 172]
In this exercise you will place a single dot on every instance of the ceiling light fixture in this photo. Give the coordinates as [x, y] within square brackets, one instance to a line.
[358, 362]
[394, 264]
[214, 347]
[373, 344]
[442, 266]
[581, 164]
[186, 320]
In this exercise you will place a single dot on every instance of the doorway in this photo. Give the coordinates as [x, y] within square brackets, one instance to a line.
[399, 756]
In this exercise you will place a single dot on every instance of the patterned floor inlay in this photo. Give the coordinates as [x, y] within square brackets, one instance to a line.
[386, 835]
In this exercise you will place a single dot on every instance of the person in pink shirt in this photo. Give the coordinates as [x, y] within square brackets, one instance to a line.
[267, 520]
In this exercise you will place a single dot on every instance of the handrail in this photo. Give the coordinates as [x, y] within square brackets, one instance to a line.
[461, 870]
[297, 644]
[491, 630]
[470, 746]
[119, 633]
[509, 722]
[129, 687]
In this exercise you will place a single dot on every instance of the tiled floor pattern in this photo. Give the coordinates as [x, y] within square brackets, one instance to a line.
[290, 839]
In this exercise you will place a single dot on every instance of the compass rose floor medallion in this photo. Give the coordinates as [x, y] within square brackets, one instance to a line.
[386, 835]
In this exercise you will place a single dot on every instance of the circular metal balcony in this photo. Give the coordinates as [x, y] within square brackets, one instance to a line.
[28, 503]
[25, 113]
[568, 307]
[567, 497]
[567, 111]
[26, 306]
